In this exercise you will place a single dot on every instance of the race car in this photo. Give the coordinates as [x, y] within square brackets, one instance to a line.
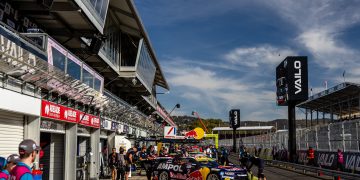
[190, 169]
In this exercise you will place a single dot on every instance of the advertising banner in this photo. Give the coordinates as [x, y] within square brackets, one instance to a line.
[62, 113]
[352, 162]
[234, 118]
[329, 160]
[126, 129]
[326, 159]
[115, 126]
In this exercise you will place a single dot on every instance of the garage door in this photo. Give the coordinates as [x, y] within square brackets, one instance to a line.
[11, 132]
[57, 157]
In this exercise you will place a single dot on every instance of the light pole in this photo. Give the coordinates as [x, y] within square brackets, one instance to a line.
[168, 115]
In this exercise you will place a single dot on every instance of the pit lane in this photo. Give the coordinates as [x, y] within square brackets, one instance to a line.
[274, 173]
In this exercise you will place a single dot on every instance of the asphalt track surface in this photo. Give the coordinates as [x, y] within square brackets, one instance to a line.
[271, 173]
[274, 173]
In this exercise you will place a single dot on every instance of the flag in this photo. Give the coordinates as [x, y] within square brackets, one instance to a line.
[326, 84]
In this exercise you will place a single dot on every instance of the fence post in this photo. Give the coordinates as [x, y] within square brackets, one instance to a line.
[357, 135]
[329, 136]
[298, 137]
[270, 140]
[307, 138]
[316, 138]
[343, 136]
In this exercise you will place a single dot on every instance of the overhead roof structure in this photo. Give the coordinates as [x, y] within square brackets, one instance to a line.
[65, 22]
[244, 128]
[127, 15]
[330, 100]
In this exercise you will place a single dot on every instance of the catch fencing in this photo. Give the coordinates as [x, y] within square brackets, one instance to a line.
[340, 135]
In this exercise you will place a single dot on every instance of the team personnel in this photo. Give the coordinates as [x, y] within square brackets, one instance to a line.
[143, 155]
[224, 158]
[113, 163]
[28, 151]
[260, 164]
[129, 161]
[121, 164]
[311, 156]
[7, 165]
[340, 160]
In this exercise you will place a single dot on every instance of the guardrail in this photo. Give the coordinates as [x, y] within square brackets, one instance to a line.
[328, 172]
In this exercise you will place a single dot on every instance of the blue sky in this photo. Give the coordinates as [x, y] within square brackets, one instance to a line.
[218, 55]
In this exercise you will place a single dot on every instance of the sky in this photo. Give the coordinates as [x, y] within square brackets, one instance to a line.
[221, 54]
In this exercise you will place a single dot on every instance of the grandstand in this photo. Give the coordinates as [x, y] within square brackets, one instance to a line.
[244, 131]
[339, 104]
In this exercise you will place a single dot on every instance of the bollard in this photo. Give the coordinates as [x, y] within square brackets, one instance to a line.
[320, 173]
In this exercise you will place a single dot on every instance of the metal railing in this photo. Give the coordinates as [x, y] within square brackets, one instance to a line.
[340, 135]
[328, 172]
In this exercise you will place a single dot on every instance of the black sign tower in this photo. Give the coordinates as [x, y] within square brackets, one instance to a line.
[291, 89]
[234, 119]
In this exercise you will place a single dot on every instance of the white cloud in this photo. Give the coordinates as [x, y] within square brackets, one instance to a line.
[212, 90]
[260, 55]
[320, 24]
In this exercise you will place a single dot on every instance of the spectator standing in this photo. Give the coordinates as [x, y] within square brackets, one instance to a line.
[28, 150]
[113, 163]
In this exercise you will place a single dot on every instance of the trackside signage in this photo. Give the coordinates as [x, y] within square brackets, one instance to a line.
[329, 160]
[63, 113]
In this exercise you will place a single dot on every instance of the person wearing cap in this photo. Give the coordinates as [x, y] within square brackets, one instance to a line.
[7, 165]
[27, 151]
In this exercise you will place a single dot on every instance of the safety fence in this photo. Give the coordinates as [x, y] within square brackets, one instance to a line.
[340, 135]
[322, 159]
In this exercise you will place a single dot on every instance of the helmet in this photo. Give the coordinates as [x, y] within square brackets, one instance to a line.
[3, 163]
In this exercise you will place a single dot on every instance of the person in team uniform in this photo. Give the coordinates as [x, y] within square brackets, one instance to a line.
[7, 165]
[28, 150]
[129, 158]
[121, 164]
[260, 164]
[113, 163]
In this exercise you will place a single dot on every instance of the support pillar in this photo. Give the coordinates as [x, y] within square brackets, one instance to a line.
[32, 128]
[70, 151]
[306, 118]
[331, 114]
[234, 139]
[323, 114]
[349, 108]
[111, 142]
[32, 131]
[311, 117]
[343, 136]
[95, 149]
[317, 117]
[292, 131]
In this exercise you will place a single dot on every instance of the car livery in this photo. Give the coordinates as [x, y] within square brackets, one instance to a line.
[222, 172]
[191, 169]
